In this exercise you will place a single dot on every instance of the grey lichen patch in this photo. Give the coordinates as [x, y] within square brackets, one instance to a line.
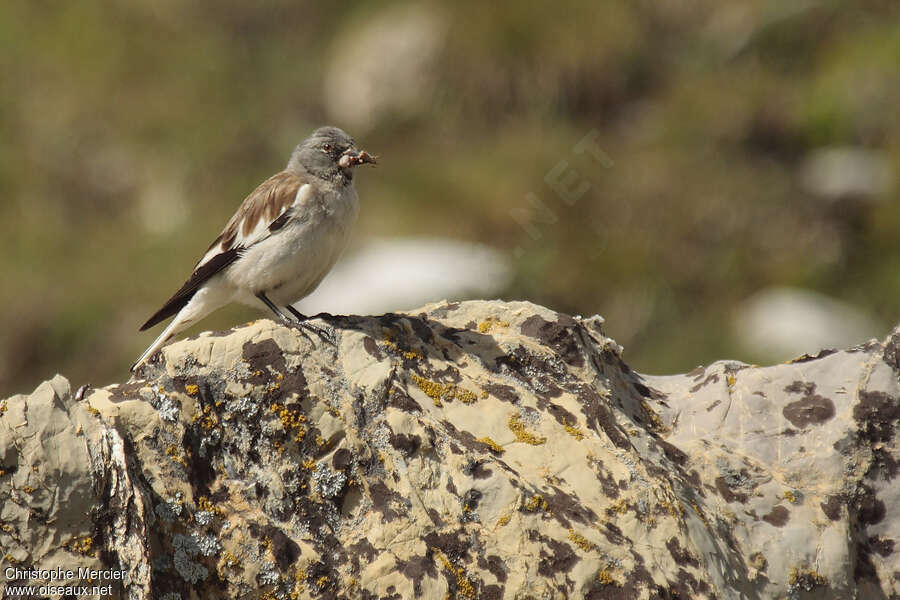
[186, 547]
[328, 482]
[171, 509]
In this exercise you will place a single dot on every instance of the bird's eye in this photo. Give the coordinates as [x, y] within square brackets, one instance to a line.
[326, 148]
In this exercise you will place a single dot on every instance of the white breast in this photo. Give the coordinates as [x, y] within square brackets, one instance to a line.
[291, 262]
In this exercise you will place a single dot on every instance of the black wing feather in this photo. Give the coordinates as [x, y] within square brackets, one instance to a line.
[190, 287]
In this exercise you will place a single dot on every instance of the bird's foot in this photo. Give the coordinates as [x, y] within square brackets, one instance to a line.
[326, 336]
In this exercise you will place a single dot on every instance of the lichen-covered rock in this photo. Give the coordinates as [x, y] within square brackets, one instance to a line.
[470, 450]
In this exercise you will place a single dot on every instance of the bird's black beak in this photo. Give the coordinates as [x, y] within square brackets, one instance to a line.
[353, 157]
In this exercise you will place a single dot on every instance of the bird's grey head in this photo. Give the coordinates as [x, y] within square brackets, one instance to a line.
[329, 153]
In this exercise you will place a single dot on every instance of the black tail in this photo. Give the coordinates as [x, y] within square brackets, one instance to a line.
[200, 275]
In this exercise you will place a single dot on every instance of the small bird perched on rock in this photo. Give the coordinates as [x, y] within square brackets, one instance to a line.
[281, 242]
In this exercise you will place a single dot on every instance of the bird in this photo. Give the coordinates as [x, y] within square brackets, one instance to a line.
[282, 241]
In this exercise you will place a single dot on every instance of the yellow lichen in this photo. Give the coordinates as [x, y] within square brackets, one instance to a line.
[172, 452]
[523, 435]
[291, 420]
[490, 323]
[581, 541]
[791, 497]
[806, 577]
[494, 446]
[535, 502]
[309, 463]
[192, 389]
[322, 581]
[205, 504]
[2, 407]
[463, 585]
[574, 431]
[655, 423]
[504, 520]
[440, 391]
[604, 577]
[207, 417]
[731, 379]
[699, 512]
[81, 545]
[93, 410]
[618, 507]
[27, 489]
[229, 559]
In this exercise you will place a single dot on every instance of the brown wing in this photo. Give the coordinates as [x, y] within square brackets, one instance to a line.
[265, 210]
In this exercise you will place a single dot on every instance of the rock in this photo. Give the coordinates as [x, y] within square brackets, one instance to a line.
[462, 450]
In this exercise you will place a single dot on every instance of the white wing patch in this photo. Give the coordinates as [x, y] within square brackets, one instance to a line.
[260, 229]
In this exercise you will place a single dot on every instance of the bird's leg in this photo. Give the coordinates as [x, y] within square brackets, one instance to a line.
[326, 336]
[281, 316]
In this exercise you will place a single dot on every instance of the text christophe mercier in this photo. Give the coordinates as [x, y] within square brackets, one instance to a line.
[59, 574]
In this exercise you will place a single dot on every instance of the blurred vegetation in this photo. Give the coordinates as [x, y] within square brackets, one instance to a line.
[131, 131]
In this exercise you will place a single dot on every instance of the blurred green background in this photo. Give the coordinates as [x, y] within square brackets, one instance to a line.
[752, 144]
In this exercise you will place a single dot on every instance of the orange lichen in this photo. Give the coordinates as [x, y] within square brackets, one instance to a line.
[494, 446]
[523, 435]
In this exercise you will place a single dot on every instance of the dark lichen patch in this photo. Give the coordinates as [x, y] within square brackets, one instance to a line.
[557, 335]
[877, 415]
[503, 392]
[725, 486]
[469, 442]
[475, 469]
[371, 346]
[811, 357]
[697, 373]
[881, 546]
[832, 506]
[565, 507]
[444, 309]
[555, 556]
[406, 444]
[681, 555]
[126, 391]
[777, 517]
[891, 354]
[284, 549]
[806, 388]
[384, 499]
[398, 398]
[673, 453]
[416, 569]
[600, 418]
[810, 410]
[267, 364]
[341, 459]
[647, 392]
[711, 378]
[539, 373]
[869, 509]
[495, 565]
[605, 477]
